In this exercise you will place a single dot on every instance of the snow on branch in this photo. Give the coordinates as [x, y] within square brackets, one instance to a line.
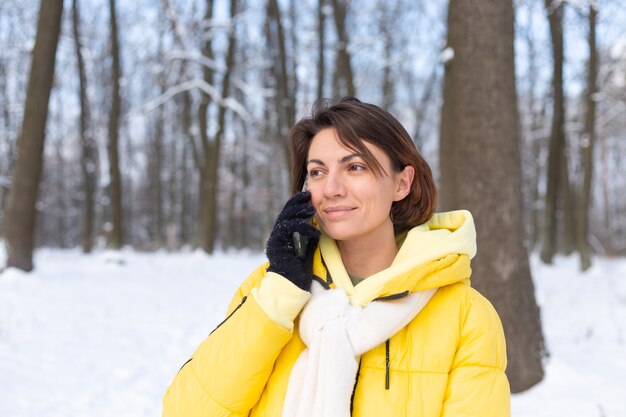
[195, 56]
[447, 55]
[206, 88]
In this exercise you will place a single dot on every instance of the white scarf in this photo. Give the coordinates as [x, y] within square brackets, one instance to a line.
[336, 335]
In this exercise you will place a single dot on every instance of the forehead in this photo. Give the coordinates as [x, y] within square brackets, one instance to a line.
[326, 144]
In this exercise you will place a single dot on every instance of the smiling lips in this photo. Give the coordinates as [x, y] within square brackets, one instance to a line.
[338, 212]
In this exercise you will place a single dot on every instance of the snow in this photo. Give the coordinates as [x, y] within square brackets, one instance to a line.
[103, 334]
[447, 55]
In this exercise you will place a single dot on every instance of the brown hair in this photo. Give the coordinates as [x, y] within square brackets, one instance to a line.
[355, 122]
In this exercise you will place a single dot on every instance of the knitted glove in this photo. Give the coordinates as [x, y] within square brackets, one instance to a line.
[281, 250]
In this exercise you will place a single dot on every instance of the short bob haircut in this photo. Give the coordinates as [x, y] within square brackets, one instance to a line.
[355, 122]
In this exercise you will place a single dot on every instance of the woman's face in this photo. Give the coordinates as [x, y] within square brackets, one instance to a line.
[351, 200]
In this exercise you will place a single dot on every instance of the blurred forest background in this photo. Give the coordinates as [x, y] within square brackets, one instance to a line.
[167, 129]
[161, 125]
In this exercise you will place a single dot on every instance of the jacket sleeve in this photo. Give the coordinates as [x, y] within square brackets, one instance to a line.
[227, 373]
[477, 384]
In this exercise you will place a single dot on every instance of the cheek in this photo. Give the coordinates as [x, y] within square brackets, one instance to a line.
[316, 195]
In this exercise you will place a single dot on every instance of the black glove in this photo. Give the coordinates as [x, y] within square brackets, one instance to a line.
[281, 251]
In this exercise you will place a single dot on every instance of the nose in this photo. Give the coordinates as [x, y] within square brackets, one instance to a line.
[334, 186]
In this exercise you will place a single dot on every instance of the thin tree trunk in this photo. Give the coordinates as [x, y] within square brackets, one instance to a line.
[293, 68]
[568, 207]
[116, 237]
[588, 144]
[245, 177]
[448, 151]
[173, 185]
[557, 135]
[386, 25]
[606, 198]
[533, 141]
[422, 105]
[343, 55]
[212, 151]
[285, 102]
[88, 160]
[481, 133]
[321, 64]
[59, 235]
[207, 188]
[186, 215]
[158, 183]
[21, 212]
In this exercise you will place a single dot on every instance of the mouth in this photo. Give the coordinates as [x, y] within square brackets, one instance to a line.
[338, 212]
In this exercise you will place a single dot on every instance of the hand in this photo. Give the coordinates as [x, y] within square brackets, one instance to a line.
[281, 251]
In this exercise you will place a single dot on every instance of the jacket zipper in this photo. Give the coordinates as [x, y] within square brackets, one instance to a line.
[387, 365]
[387, 370]
[243, 300]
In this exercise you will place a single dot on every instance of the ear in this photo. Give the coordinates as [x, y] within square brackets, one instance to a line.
[404, 180]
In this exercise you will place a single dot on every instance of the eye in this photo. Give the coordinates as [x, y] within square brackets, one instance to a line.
[357, 167]
[315, 172]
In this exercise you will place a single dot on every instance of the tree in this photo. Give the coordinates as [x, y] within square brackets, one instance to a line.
[480, 171]
[387, 22]
[88, 161]
[213, 157]
[556, 153]
[343, 78]
[588, 143]
[282, 74]
[116, 238]
[21, 213]
[321, 59]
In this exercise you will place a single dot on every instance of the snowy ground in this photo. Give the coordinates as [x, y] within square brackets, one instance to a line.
[102, 335]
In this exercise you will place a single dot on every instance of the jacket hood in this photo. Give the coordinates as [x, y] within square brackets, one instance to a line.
[431, 255]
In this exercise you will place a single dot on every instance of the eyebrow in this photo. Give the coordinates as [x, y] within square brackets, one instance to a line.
[341, 161]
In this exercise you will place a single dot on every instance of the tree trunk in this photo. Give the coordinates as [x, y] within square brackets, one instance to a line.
[206, 186]
[210, 177]
[480, 132]
[557, 136]
[587, 145]
[321, 61]
[175, 200]
[21, 212]
[286, 98]
[244, 240]
[116, 236]
[448, 151]
[186, 212]
[157, 174]
[422, 104]
[221, 122]
[606, 198]
[534, 141]
[568, 207]
[387, 24]
[344, 69]
[88, 160]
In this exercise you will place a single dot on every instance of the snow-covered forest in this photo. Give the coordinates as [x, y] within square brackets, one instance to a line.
[144, 140]
[396, 51]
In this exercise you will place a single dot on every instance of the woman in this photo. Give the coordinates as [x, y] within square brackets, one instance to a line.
[374, 316]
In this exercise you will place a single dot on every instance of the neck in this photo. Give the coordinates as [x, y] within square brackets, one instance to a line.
[368, 255]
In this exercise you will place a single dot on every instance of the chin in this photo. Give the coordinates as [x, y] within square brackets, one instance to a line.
[339, 233]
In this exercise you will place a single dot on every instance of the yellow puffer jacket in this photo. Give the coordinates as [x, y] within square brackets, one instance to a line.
[449, 361]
